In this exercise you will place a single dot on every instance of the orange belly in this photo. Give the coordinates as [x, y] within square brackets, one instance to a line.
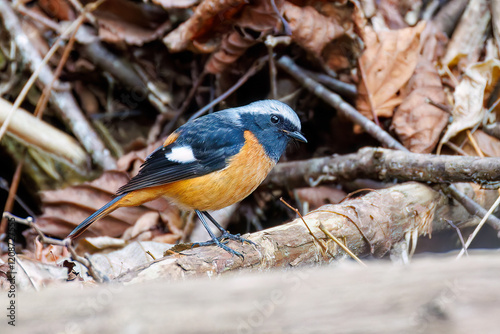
[245, 171]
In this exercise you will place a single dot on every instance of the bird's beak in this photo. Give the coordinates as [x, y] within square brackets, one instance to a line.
[296, 135]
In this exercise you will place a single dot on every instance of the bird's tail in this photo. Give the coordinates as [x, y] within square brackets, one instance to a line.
[104, 211]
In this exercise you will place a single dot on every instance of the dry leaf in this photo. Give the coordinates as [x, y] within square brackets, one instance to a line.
[50, 253]
[206, 15]
[310, 29]
[495, 18]
[257, 20]
[385, 67]
[468, 112]
[489, 145]
[59, 9]
[469, 35]
[419, 124]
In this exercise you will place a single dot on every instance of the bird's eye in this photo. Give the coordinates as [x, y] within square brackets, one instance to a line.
[275, 119]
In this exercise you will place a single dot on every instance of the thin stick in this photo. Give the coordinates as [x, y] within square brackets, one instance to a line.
[16, 258]
[337, 102]
[347, 250]
[323, 247]
[460, 236]
[20, 98]
[478, 227]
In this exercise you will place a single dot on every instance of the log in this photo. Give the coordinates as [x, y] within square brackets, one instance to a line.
[369, 225]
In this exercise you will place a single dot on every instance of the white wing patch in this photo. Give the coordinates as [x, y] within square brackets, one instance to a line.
[182, 154]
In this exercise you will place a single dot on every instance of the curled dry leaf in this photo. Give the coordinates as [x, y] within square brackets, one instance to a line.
[59, 9]
[207, 15]
[50, 253]
[468, 112]
[310, 29]
[495, 22]
[386, 66]
[131, 22]
[417, 123]
[257, 20]
[469, 36]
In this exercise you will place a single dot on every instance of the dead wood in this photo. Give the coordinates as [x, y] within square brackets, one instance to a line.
[370, 224]
[433, 295]
[62, 101]
[386, 165]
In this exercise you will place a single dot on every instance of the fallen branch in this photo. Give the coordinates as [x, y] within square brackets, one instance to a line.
[287, 64]
[368, 225]
[386, 165]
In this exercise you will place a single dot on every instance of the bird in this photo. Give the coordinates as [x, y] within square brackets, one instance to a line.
[210, 163]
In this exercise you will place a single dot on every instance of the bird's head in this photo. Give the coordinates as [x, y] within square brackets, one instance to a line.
[273, 123]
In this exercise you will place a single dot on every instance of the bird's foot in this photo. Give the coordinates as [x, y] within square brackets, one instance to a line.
[235, 237]
[222, 241]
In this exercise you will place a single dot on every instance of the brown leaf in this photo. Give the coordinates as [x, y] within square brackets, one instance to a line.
[59, 9]
[385, 67]
[489, 145]
[206, 15]
[469, 35]
[478, 80]
[310, 29]
[130, 22]
[257, 20]
[417, 123]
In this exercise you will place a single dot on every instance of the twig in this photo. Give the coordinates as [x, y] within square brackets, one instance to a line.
[472, 207]
[86, 262]
[338, 86]
[478, 227]
[30, 222]
[459, 233]
[51, 241]
[256, 67]
[347, 250]
[386, 165]
[337, 102]
[9, 203]
[34, 75]
[324, 249]
[16, 258]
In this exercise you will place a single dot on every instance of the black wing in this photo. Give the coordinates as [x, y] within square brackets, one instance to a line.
[211, 148]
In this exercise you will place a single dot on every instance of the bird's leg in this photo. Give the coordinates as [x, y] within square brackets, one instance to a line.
[225, 233]
[215, 240]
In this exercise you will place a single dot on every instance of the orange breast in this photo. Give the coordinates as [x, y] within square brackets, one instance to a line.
[246, 170]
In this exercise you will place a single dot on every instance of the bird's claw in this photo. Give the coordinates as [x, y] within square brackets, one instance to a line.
[222, 241]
